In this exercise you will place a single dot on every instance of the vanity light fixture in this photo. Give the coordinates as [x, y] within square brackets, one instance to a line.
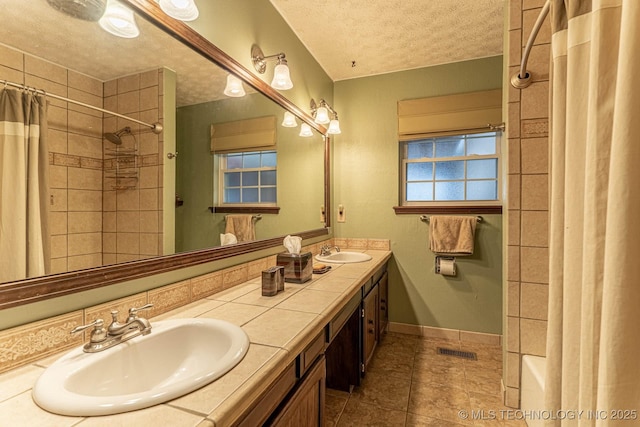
[305, 130]
[322, 113]
[119, 20]
[234, 87]
[281, 77]
[183, 10]
[289, 120]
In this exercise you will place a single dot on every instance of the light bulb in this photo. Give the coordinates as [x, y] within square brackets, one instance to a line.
[281, 78]
[305, 130]
[334, 127]
[234, 87]
[119, 20]
[184, 10]
[289, 120]
[322, 115]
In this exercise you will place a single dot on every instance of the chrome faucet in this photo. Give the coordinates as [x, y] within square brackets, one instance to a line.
[325, 250]
[102, 339]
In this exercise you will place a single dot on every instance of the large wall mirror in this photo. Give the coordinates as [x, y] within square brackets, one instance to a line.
[123, 205]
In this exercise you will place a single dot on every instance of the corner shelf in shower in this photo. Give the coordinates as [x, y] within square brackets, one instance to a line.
[121, 164]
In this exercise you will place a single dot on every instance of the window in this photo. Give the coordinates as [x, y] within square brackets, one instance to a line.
[451, 170]
[248, 178]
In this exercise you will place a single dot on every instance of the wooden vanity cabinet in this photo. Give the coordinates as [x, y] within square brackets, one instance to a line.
[370, 333]
[383, 311]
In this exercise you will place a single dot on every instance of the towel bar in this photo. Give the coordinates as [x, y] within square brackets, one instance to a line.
[426, 218]
[254, 217]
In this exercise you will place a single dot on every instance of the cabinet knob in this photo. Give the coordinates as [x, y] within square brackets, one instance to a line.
[371, 331]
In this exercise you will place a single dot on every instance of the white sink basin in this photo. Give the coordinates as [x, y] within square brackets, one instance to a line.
[177, 357]
[344, 257]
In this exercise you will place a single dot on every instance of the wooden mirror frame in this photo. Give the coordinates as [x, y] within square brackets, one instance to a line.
[13, 294]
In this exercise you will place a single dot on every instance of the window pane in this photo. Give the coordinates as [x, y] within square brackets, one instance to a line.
[450, 147]
[419, 171]
[249, 195]
[481, 146]
[482, 168]
[482, 190]
[449, 170]
[269, 159]
[232, 179]
[234, 161]
[249, 178]
[418, 150]
[268, 178]
[419, 191]
[268, 195]
[232, 195]
[252, 160]
[450, 190]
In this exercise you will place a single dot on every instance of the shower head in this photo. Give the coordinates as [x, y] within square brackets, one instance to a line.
[89, 10]
[116, 137]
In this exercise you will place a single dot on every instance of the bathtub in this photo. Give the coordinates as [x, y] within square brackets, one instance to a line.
[532, 388]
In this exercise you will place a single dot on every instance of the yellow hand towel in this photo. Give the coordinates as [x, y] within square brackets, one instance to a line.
[452, 234]
[241, 226]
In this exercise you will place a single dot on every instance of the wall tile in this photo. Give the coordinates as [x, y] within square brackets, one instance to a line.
[535, 101]
[149, 199]
[129, 83]
[149, 221]
[534, 301]
[11, 75]
[128, 243]
[85, 222]
[149, 98]
[169, 297]
[206, 285]
[128, 221]
[535, 155]
[513, 121]
[58, 223]
[86, 84]
[47, 70]
[513, 298]
[513, 201]
[535, 228]
[535, 128]
[11, 58]
[85, 200]
[513, 233]
[87, 98]
[534, 264]
[84, 243]
[533, 337]
[58, 200]
[513, 334]
[86, 146]
[85, 124]
[513, 259]
[128, 102]
[59, 246]
[514, 155]
[57, 141]
[529, 18]
[515, 14]
[538, 63]
[149, 244]
[149, 78]
[515, 47]
[122, 306]
[535, 192]
[512, 376]
[57, 176]
[255, 268]
[234, 275]
[84, 261]
[85, 179]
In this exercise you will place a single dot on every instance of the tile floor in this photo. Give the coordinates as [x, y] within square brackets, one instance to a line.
[409, 384]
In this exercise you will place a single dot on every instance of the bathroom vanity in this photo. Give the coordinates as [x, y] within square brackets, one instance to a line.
[281, 380]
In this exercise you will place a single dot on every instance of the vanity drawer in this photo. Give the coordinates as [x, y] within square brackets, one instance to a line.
[334, 326]
[309, 355]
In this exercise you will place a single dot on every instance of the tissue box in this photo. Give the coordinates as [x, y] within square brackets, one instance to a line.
[297, 268]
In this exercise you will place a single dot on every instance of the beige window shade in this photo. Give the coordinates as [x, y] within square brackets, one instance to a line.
[257, 134]
[449, 115]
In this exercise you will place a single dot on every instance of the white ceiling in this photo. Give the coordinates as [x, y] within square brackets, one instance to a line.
[384, 36]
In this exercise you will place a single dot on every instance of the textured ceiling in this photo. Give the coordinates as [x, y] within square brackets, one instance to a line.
[384, 36]
[34, 27]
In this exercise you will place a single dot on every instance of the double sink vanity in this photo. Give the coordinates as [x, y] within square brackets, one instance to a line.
[272, 357]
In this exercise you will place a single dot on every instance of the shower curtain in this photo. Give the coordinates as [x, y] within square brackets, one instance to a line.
[594, 296]
[24, 159]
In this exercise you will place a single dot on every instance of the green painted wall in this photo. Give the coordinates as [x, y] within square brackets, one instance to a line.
[365, 181]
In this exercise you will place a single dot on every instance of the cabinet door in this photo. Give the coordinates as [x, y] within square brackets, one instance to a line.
[383, 316]
[306, 407]
[370, 325]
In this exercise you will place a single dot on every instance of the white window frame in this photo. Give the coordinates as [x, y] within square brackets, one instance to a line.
[436, 203]
[221, 185]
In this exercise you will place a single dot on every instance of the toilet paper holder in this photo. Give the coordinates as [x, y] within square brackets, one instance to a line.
[439, 259]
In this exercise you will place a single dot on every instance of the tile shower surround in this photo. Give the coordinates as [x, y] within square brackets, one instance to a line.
[528, 199]
[83, 233]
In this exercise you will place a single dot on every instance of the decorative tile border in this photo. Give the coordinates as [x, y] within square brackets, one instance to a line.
[24, 344]
[59, 159]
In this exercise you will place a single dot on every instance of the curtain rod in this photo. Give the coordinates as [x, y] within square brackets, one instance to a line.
[156, 127]
[522, 78]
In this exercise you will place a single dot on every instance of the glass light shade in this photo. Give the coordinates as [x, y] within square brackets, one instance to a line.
[234, 87]
[281, 78]
[119, 21]
[305, 130]
[322, 115]
[289, 120]
[184, 10]
[334, 127]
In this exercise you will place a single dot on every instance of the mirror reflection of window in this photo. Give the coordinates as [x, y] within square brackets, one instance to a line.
[248, 178]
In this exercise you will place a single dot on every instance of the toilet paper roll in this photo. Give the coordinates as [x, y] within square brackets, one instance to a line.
[448, 267]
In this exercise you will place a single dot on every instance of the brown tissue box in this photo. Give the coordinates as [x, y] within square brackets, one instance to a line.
[297, 268]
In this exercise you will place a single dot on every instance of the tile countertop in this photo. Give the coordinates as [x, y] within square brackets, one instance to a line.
[279, 328]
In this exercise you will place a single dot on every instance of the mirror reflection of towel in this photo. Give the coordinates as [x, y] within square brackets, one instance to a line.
[228, 239]
[452, 235]
[241, 226]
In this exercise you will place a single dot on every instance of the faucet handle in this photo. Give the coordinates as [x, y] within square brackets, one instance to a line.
[98, 334]
[98, 323]
[133, 312]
